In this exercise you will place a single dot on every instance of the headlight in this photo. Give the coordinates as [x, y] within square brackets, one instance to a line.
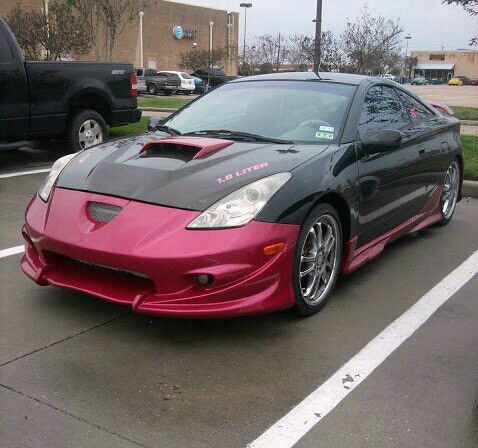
[45, 188]
[241, 206]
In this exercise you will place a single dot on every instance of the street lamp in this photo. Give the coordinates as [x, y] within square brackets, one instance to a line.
[407, 38]
[211, 24]
[245, 6]
[141, 14]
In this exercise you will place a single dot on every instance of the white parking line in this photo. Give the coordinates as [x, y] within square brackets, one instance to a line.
[286, 432]
[24, 173]
[12, 251]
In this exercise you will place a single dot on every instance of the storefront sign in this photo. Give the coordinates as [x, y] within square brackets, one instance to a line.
[180, 33]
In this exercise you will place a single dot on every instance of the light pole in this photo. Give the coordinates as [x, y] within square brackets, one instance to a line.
[318, 36]
[141, 14]
[245, 6]
[211, 24]
[407, 38]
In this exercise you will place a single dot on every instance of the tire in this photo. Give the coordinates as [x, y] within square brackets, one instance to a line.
[328, 217]
[451, 186]
[152, 89]
[85, 128]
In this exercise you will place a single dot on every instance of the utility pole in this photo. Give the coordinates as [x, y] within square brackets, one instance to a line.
[318, 35]
[407, 65]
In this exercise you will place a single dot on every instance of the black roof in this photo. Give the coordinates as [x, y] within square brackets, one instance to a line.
[344, 78]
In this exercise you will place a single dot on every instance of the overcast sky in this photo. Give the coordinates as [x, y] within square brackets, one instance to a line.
[431, 24]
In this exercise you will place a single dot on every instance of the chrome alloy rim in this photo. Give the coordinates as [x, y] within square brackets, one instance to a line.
[90, 133]
[319, 260]
[450, 190]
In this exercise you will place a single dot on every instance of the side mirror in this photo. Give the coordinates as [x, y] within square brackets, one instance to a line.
[154, 122]
[384, 140]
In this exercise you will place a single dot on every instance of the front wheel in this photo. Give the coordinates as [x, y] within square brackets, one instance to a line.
[318, 256]
[85, 128]
[449, 196]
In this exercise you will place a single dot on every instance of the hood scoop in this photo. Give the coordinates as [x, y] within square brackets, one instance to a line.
[183, 148]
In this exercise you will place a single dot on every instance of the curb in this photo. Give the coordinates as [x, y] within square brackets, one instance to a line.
[469, 122]
[158, 109]
[470, 189]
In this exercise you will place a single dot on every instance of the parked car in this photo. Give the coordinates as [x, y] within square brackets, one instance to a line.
[436, 81]
[419, 81]
[160, 82]
[455, 82]
[251, 201]
[186, 81]
[212, 77]
[200, 88]
[76, 99]
[388, 76]
[141, 84]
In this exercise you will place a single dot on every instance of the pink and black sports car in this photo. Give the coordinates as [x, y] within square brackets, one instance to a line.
[252, 198]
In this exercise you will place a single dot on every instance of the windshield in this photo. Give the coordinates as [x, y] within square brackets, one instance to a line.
[299, 111]
[186, 76]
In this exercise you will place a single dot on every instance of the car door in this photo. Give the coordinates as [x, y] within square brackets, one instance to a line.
[429, 131]
[14, 108]
[392, 184]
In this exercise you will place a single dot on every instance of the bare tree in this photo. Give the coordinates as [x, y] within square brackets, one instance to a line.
[368, 41]
[471, 7]
[61, 34]
[107, 19]
[301, 51]
[196, 59]
[268, 49]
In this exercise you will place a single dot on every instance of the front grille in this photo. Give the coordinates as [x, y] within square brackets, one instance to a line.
[103, 212]
[109, 268]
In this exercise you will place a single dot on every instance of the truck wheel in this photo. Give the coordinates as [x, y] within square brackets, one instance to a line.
[152, 89]
[84, 129]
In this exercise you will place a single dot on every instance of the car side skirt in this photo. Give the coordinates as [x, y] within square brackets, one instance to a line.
[355, 257]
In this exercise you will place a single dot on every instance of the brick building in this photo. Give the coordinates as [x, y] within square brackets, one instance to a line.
[169, 29]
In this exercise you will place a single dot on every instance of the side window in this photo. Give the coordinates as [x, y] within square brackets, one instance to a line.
[382, 110]
[415, 110]
[5, 52]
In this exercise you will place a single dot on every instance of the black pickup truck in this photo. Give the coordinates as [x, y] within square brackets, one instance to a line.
[76, 99]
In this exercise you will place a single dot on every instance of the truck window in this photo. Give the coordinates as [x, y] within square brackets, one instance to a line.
[5, 52]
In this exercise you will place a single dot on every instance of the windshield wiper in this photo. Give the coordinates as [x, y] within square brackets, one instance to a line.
[163, 128]
[245, 136]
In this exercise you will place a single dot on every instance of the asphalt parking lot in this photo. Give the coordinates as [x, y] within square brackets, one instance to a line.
[443, 93]
[79, 372]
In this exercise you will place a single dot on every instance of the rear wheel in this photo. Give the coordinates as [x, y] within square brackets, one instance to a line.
[85, 128]
[317, 260]
[449, 196]
[152, 89]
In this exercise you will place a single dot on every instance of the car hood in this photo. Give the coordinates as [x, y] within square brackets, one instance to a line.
[188, 173]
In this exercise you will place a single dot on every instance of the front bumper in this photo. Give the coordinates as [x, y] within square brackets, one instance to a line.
[146, 259]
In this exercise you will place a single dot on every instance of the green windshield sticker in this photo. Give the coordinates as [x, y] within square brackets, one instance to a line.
[324, 135]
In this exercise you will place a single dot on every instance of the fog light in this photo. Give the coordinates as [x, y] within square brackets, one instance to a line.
[204, 279]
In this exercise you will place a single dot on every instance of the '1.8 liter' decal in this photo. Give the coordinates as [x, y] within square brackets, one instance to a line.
[238, 173]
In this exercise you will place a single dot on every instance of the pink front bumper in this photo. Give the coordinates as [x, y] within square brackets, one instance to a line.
[145, 258]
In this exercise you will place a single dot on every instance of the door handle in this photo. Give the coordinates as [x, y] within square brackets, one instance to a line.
[423, 151]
